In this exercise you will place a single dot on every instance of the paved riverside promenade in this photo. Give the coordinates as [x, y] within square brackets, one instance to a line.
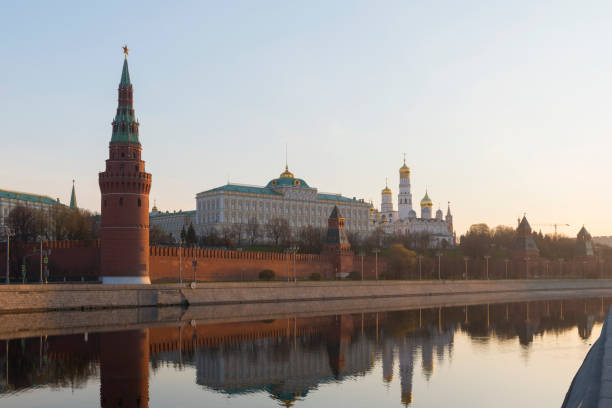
[592, 385]
[28, 298]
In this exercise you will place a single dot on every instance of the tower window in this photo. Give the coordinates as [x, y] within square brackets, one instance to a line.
[122, 155]
[105, 203]
[121, 201]
[139, 203]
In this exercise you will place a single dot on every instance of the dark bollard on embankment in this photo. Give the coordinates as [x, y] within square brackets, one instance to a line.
[592, 385]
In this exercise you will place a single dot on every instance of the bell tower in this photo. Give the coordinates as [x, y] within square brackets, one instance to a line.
[404, 201]
[125, 186]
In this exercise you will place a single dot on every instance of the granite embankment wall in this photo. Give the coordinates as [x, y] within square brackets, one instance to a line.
[592, 385]
[17, 298]
[74, 260]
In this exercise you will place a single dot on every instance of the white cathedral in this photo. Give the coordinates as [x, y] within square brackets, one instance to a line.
[405, 221]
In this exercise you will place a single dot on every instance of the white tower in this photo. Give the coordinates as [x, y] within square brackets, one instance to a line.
[386, 205]
[426, 206]
[404, 202]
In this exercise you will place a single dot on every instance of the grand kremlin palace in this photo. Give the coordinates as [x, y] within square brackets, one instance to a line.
[283, 197]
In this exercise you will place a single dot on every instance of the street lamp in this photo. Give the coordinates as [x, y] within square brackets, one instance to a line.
[439, 255]
[506, 262]
[486, 257]
[180, 261]
[465, 261]
[376, 252]
[41, 258]
[526, 259]
[560, 268]
[195, 267]
[420, 258]
[294, 249]
[287, 251]
[361, 254]
[9, 233]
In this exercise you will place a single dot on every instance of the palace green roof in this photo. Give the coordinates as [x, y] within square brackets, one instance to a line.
[287, 182]
[31, 198]
[175, 213]
[336, 197]
[238, 188]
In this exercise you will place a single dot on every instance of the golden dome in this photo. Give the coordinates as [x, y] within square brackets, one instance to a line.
[387, 190]
[286, 173]
[426, 201]
[404, 170]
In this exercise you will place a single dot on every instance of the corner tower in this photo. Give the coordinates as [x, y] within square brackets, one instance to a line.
[404, 201]
[125, 187]
[337, 247]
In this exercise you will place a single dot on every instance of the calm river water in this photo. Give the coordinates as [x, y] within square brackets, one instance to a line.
[498, 355]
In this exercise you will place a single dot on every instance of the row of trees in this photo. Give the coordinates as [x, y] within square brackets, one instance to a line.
[277, 232]
[480, 240]
[59, 223]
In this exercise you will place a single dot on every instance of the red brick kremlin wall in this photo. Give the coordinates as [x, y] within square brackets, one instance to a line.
[222, 265]
[81, 259]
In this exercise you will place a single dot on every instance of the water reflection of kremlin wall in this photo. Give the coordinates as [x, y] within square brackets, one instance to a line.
[285, 358]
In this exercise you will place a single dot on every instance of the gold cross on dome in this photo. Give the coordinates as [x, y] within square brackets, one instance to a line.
[126, 50]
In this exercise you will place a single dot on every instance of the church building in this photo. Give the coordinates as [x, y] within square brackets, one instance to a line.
[405, 221]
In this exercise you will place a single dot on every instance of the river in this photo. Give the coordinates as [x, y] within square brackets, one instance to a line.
[485, 355]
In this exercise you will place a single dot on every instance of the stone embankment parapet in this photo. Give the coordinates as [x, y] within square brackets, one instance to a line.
[22, 298]
[592, 385]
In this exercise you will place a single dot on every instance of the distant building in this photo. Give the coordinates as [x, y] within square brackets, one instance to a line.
[11, 199]
[172, 222]
[584, 244]
[285, 197]
[524, 247]
[404, 220]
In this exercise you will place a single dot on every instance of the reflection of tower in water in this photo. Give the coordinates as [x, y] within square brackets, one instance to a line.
[387, 359]
[124, 369]
[406, 368]
[427, 361]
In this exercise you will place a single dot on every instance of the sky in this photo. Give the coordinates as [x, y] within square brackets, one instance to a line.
[502, 108]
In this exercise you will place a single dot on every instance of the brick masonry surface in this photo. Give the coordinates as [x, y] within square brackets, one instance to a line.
[16, 298]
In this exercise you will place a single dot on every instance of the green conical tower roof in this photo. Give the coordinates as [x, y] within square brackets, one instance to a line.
[125, 75]
[73, 202]
[125, 126]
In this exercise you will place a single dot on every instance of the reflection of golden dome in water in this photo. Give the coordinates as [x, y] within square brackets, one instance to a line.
[388, 378]
[407, 398]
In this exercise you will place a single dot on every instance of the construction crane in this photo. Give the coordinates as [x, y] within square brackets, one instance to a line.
[552, 225]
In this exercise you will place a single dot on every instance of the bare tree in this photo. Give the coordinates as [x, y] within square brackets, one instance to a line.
[310, 239]
[253, 229]
[226, 233]
[25, 223]
[237, 232]
[278, 230]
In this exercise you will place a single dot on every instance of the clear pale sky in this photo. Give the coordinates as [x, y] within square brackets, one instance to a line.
[501, 107]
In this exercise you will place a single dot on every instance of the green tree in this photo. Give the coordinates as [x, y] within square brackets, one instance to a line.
[190, 237]
[400, 262]
[476, 243]
[157, 236]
